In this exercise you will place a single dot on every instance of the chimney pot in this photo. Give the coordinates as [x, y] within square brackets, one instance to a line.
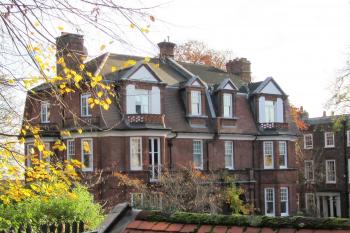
[166, 49]
[240, 67]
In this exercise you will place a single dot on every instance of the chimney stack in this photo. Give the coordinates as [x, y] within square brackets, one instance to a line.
[324, 114]
[71, 48]
[240, 67]
[166, 49]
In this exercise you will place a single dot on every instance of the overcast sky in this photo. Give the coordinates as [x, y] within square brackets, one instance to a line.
[302, 44]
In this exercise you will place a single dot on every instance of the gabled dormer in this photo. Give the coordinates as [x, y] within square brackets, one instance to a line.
[195, 97]
[225, 96]
[269, 104]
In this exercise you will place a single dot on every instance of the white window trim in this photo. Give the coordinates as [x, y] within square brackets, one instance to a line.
[348, 137]
[87, 169]
[287, 205]
[273, 192]
[201, 142]
[232, 157]
[29, 155]
[230, 97]
[69, 156]
[136, 168]
[312, 142]
[307, 207]
[45, 105]
[305, 171]
[325, 140]
[87, 96]
[335, 172]
[199, 103]
[285, 155]
[272, 164]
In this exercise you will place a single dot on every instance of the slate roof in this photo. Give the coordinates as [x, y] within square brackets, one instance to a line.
[124, 219]
[324, 119]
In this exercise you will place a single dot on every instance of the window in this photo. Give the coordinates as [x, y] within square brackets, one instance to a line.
[198, 154]
[30, 153]
[229, 155]
[308, 141]
[227, 105]
[283, 154]
[142, 101]
[309, 170]
[87, 155]
[330, 171]
[270, 111]
[45, 112]
[348, 137]
[136, 153]
[70, 149]
[310, 203]
[269, 202]
[268, 154]
[284, 201]
[196, 103]
[84, 105]
[328, 139]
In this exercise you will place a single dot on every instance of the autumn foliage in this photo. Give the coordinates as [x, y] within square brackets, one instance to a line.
[297, 115]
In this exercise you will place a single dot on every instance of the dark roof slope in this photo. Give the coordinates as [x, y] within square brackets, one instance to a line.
[324, 119]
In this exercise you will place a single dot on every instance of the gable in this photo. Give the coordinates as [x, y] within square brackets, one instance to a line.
[143, 74]
[228, 86]
[271, 88]
[196, 83]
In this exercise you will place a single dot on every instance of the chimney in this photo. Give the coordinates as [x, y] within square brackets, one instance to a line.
[324, 114]
[240, 67]
[166, 49]
[71, 48]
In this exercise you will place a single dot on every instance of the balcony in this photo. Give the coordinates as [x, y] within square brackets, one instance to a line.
[146, 118]
[273, 126]
[81, 122]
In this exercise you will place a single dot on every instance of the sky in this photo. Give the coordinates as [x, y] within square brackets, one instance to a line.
[302, 44]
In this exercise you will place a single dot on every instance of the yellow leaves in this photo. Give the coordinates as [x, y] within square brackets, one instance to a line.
[32, 151]
[21, 140]
[36, 24]
[11, 81]
[80, 130]
[60, 61]
[59, 145]
[40, 147]
[145, 30]
[65, 133]
[108, 100]
[147, 59]
[81, 66]
[86, 147]
[156, 65]
[102, 47]
[61, 28]
[99, 94]
[114, 68]
[105, 106]
[132, 26]
[129, 63]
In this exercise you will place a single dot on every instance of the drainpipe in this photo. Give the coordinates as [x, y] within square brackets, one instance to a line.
[170, 145]
[253, 166]
[346, 171]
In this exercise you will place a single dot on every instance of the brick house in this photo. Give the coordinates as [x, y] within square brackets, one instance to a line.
[178, 114]
[324, 168]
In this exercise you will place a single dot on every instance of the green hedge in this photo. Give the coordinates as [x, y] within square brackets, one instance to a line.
[297, 222]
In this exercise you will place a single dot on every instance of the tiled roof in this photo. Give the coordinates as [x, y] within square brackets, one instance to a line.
[127, 220]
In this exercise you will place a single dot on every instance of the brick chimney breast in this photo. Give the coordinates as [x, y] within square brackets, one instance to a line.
[240, 67]
[71, 47]
[166, 49]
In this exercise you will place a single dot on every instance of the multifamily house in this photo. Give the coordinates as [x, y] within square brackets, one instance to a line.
[324, 167]
[168, 115]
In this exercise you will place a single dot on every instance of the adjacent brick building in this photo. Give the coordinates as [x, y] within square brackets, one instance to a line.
[170, 114]
[324, 161]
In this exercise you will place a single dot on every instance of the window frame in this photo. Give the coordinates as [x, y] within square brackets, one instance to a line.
[272, 154]
[267, 117]
[273, 201]
[307, 207]
[194, 154]
[287, 201]
[226, 97]
[335, 172]
[90, 168]
[69, 155]
[232, 167]
[312, 170]
[139, 95]
[85, 96]
[199, 103]
[348, 137]
[325, 140]
[308, 147]
[45, 105]
[133, 167]
[285, 154]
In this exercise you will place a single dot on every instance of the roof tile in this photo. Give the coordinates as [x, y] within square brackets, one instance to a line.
[252, 230]
[287, 230]
[189, 228]
[305, 231]
[175, 227]
[132, 231]
[205, 229]
[146, 225]
[160, 226]
[220, 229]
[235, 229]
[134, 224]
[267, 230]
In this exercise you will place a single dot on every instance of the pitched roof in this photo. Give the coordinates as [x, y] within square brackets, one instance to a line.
[127, 220]
[256, 88]
[324, 119]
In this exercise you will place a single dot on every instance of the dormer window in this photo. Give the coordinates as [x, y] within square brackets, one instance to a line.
[45, 112]
[196, 103]
[142, 101]
[227, 102]
[270, 111]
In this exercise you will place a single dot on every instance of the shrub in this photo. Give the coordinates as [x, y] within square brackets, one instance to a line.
[75, 206]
